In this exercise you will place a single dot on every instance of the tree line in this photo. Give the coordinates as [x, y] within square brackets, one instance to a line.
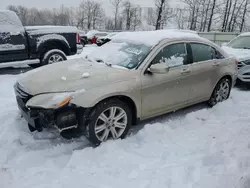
[198, 15]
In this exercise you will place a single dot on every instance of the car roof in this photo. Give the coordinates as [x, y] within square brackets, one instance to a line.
[152, 38]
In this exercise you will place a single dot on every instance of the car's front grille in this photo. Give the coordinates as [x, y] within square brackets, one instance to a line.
[240, 65]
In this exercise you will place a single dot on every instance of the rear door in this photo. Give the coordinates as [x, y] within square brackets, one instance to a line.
[205, 71]
[13, 43]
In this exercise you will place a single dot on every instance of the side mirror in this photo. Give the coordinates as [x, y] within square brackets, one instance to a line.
[224, 43]
[159, 68]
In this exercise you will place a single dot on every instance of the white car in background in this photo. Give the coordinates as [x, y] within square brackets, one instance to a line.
[239, 47]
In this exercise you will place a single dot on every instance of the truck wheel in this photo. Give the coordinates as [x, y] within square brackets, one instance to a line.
[52, 56]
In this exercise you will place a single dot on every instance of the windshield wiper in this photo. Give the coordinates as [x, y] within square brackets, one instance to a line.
[246, 48]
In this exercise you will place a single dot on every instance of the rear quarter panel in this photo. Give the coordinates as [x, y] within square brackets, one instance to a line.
[37, 39]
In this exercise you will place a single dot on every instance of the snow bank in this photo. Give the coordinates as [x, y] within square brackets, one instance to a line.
[152, 38]
[197, 147]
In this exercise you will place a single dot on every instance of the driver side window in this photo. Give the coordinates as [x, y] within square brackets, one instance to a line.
[174, 55]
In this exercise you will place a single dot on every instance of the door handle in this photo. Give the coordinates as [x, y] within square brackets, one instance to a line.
[184, 71]
[216, 64]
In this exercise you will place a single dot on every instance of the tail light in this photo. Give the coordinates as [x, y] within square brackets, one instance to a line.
[78, 38]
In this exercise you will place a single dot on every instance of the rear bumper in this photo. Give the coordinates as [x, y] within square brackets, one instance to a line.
[79, 48]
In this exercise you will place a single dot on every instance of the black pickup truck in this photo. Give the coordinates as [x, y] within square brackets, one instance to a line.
[35, 45]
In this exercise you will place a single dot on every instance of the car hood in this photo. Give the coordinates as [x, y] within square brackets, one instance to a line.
[239, 54]
[72, 75]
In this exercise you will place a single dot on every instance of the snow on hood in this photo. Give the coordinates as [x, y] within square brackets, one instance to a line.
[71, 75]
[239, 54]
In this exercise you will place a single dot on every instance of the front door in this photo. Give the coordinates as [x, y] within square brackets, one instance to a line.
[165, 92]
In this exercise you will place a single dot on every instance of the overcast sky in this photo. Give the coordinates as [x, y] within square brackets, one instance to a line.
[57, 3]
[73, 3]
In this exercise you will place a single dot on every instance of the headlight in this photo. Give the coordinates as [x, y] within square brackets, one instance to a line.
[50, 100]
[53, 100]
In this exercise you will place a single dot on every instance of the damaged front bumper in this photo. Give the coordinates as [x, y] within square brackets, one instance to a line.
[63, 119]
[46, 115]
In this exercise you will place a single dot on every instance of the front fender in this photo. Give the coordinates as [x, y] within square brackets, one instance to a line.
[90, 98]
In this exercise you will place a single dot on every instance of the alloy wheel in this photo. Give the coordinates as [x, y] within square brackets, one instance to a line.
[223, 91]
[111, 122]
[55, 58]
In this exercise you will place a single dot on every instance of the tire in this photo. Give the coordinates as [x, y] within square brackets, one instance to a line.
[31, 128]
[219, 94]
[51, 56]
[116, 127]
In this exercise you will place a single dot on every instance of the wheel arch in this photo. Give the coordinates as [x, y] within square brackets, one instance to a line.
[127, 100]
[50, 44]
[230, 77]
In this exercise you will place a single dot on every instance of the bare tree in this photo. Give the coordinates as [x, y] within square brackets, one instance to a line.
[160, 6]
[211, 16]
[128, 13]
[244, 15]
[117, 5]
[136, 19]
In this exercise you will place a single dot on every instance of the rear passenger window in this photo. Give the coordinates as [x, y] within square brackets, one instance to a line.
[201, 52]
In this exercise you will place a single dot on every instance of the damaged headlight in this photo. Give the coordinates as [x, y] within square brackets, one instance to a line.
[50, 100]
[53, 100]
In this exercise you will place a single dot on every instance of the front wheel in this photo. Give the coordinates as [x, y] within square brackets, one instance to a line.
[221, 92]
[109, 119]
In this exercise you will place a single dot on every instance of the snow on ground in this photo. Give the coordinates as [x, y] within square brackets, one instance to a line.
[198, 147]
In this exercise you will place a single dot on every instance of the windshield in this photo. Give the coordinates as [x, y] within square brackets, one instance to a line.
[240, 42]
[122, 54]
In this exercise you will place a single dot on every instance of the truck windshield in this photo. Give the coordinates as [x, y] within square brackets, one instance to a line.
[240, 42]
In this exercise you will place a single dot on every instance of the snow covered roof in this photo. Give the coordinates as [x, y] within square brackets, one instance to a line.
[152, 38]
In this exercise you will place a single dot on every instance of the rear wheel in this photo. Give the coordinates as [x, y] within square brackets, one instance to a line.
[109, 119]
[221, 92]
[52, 56]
